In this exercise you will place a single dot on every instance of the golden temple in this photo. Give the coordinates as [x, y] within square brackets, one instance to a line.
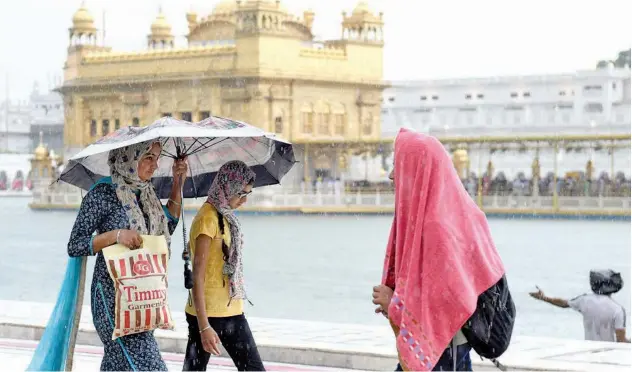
[250, 60]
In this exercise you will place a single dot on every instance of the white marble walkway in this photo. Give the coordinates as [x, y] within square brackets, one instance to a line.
[338, 345]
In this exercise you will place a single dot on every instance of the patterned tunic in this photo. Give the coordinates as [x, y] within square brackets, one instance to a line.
[100, 212]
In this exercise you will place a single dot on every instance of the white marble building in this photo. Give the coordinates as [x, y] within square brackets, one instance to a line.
[595, 101]
[22, 121]
[15, 127]
[586, 101]
[23, 124]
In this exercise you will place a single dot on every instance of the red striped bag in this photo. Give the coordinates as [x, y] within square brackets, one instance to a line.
[140, 280]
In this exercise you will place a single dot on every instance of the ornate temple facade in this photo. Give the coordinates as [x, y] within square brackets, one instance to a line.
[250, 60]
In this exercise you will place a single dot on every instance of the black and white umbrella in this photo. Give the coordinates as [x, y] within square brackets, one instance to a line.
[207, 144]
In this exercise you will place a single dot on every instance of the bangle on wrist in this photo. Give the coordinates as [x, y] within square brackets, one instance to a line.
[205, 328]
[118, 234]
[174, 202]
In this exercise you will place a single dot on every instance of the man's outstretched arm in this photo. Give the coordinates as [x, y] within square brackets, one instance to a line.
[559, 302]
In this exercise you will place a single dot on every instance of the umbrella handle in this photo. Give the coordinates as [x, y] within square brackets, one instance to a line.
[186, 254]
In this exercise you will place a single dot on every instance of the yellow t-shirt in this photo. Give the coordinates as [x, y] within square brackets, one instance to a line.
[215, 284]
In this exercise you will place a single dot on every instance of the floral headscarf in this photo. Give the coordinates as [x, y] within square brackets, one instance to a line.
[124, 171]
[230, 181]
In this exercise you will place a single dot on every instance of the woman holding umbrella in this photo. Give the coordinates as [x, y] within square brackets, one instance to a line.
[118, 209]
[215, 306]
[110, 209]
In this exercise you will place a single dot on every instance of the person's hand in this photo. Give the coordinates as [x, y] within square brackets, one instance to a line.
[179, 171]
[382, 297]
[210, 341]
[539, 295]
[129, 238]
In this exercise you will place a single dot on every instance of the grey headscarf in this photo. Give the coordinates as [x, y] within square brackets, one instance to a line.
[124, 171]
[230, 180]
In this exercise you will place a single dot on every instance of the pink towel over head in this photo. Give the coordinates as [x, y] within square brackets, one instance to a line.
[440, 255]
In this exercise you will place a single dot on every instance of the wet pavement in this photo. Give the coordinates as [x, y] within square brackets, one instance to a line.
[15, 355]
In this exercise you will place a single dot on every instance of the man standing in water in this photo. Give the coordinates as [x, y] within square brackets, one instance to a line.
[604, 319]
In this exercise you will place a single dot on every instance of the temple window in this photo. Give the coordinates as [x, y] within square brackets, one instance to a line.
[186, 116]
[278, 124]
[105, 126]
[308, 122]
[93, 128]
[204, 115]
[339, 125]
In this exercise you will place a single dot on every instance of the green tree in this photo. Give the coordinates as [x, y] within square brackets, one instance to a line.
[623, 60]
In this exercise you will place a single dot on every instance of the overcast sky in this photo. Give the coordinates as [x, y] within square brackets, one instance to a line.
[424, 38]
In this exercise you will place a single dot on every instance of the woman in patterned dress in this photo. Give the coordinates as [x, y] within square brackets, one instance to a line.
[118, 209]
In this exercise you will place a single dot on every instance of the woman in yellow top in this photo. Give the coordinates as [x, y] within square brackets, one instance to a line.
[218, 286]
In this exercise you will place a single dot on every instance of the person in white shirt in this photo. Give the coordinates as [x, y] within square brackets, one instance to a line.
[604, 319]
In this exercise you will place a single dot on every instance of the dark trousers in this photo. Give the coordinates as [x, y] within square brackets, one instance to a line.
[236, 337]
[446, 361]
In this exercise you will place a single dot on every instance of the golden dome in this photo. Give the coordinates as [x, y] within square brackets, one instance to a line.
[192, 17]
[362, 14]
[82, 20]
[361, 8]
[225, 7]
[41, 152]
[82, 15]
[160, 26]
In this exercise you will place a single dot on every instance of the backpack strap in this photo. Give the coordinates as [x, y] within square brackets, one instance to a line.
[453, 354]
[499, 365]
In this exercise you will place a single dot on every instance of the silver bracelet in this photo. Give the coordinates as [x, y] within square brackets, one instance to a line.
[118, 234]
[174, 202]
[205, 328]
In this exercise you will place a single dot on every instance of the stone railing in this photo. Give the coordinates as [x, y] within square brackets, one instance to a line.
[269, 198]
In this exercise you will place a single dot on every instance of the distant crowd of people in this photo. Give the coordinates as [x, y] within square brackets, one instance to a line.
[571, 184]
[18, 183]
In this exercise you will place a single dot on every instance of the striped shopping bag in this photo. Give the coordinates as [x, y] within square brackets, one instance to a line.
[140, 280]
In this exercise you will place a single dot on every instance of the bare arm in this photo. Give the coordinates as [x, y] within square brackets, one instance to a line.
[559, 302]
[175, 199]
[619, 326]
[620, 334]
[202, 249]
[103, 240]
[179, 171]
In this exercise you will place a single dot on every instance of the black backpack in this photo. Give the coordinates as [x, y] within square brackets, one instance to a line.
[489, 329]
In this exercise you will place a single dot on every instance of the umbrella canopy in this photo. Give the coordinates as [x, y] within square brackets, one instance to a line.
[208, 144]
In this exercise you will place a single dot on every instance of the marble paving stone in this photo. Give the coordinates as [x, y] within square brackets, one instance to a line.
[336, 345]
[15, 355]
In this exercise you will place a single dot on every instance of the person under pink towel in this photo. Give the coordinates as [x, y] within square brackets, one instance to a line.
[440, 258]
